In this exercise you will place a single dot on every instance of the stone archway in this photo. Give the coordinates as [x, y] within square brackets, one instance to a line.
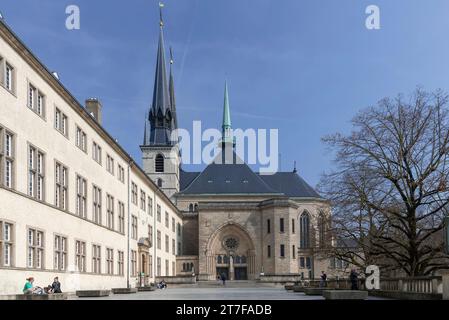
[230, 251]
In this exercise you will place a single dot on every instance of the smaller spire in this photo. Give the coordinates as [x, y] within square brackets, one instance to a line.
[226, 125]
[294, 167]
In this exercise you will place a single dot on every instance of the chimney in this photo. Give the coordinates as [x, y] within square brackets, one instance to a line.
[93, 106]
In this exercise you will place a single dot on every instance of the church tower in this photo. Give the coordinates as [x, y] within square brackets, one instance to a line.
[160, 150]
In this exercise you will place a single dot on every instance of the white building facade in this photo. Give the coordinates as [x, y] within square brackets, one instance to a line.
[73, 203]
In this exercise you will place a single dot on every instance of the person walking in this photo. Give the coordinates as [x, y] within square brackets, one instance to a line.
[223, 278]
[323, 282]
[56, 286]
[353, 277]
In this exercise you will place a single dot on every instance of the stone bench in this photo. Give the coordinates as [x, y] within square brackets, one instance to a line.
[38, 297]
[298, 289]
[92, 293]
[288, 287]
[124, 290]
[345, 295]
[147, 288]
[313, 291]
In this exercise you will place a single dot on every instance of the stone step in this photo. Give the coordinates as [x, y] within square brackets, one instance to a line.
[124, 290]
[92, 293]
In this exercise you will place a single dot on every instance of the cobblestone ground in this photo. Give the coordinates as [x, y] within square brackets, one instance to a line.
[213, 294]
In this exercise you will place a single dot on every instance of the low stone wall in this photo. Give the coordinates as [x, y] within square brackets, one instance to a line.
[403, 295]
[54, 296]
[177, 280]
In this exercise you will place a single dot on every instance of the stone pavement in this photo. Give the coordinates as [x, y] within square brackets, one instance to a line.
[260, 293]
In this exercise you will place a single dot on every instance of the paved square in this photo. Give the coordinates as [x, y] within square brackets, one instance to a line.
[219, 293]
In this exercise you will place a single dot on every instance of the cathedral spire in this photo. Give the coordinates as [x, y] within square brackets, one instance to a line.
[226, 125]
[171, 90]
[160, 115]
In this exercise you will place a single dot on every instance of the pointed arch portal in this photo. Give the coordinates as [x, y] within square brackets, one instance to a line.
[230, 252]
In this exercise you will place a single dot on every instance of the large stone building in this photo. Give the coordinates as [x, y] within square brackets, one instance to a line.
[235, 221]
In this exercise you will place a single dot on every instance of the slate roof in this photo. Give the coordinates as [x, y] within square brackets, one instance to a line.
[238, 178]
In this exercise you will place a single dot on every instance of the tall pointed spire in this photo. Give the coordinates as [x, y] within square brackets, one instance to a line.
[160, 115]
[226, 125]
[171, 90]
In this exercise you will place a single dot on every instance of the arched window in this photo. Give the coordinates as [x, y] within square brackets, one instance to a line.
[196, 207]
[322, 229]
[219, 260]
[159, 183]
[304, 230]
[238, 259]
[159, 163]
[191, 207]
[243, 259]
[191, 267]
[184, 267]
[225, 259]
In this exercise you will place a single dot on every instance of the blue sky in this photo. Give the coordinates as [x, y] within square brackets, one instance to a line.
[303, 66]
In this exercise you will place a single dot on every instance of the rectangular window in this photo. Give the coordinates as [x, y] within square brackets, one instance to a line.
[179, 248]
[36, 100]
[121, 263]
[151, 266]
[61, 186]
[159, 239]
[96, 152]
[167, 219]
[173, 228]
[35, 258]
[9, 80]
[308, 263]
[173, 246]
[36, 173]
[268, 226]
[293, 251]
[282, 251]
[269, 251]
[281, 224]
[121, 174]
[80, 255]
[121, 217]
[134, 193]
[81, 139]
[60, 257]
[61, 122]
[167, 268]
[133, 263]
[158, 270]
[143, 200]
[81, 197]
[167, 245]
[134, 227]
[179, 229]
[293, 225]
[150, 233]
[110, 164]
[7, 157]
[96, 259]
[96, 202]
[158, 213]
[109, 261]
[150, 206]
[6, 244]
[173, 268]
[110, 211]
[302, 263]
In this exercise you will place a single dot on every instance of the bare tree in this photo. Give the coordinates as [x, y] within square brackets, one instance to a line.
[389, 190]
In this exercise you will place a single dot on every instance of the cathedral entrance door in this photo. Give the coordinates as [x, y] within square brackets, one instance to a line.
[241, 273]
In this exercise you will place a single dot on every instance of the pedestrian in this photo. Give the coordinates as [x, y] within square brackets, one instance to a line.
[56, 286]
[28, 287]
[323, 282]
[354, 280]
[223, 278]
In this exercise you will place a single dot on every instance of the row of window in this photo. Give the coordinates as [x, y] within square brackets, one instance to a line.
[36, 101]
[281, 251]
[304, 229]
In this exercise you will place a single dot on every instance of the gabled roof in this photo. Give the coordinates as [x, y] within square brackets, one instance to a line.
[220, 177]
[290, 184]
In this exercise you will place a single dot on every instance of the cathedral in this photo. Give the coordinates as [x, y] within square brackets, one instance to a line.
[235, 222]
